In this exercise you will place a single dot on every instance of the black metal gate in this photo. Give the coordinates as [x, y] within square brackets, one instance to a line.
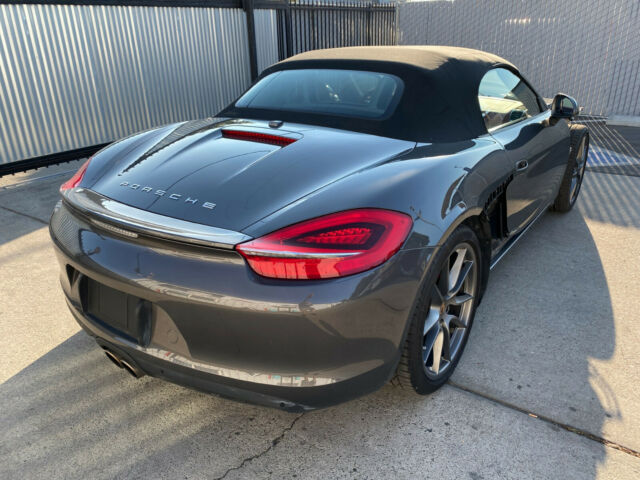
[313, 24]
[339, 24]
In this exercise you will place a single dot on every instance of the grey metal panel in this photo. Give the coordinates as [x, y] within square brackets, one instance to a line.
[266, 37]
[588, 48]
[74, 76]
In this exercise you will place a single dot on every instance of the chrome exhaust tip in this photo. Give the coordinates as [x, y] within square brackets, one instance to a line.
[135, 371]
[122, 363]
[113, 358]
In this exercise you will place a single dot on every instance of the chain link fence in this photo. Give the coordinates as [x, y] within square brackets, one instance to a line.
[589, 49]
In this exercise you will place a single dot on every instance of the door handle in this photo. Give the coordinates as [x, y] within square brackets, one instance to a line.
[522, 165]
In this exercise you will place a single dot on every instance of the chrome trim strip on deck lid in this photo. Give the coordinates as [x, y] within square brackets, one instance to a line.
[105, 209]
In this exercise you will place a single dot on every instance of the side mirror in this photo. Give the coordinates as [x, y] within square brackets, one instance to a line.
[564, 106]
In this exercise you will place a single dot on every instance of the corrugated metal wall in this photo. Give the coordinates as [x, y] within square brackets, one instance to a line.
[587, 48]
[75, 76]
[266, 22]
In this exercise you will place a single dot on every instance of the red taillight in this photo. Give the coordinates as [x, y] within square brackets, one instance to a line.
[335, 245]
[74, 181]
[258, 137]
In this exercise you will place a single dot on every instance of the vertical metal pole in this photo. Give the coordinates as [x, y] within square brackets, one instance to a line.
[280, 35]
[369, 9]
[312, 25]
[288, 30]
[251, 37]
[395, 23]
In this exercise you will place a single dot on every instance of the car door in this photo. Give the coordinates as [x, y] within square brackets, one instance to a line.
[537, 147]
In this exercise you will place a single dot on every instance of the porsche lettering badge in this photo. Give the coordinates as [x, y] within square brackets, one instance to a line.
[170, 195]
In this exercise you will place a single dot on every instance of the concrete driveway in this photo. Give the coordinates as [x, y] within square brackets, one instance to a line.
[549, 386]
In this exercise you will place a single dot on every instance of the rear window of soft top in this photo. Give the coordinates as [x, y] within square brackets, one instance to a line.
[351, 93]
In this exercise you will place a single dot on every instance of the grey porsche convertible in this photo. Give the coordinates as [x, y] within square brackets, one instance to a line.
[330, 231]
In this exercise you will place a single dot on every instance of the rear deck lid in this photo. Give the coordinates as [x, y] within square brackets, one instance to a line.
[230, 174]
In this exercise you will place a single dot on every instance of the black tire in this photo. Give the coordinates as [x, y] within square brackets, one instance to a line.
[412, 372]
[576, 164]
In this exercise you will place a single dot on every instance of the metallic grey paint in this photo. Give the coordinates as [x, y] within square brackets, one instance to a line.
[210, 321]
[216, 316]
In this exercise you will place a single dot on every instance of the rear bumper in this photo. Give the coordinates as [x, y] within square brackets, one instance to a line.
[214, 325]
[289, 398]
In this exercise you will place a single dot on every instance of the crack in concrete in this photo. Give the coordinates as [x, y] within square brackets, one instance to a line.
[564, 426]
[274, 442]
[36, 219]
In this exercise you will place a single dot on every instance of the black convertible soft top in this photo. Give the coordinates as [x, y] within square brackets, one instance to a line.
[440, 98]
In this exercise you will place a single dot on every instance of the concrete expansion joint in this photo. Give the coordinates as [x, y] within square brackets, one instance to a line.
[272, 445]
[564, 426]
[31, 217]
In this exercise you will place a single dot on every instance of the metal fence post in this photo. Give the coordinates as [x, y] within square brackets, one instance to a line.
[288, 31]
[247, 5]
[369, 12]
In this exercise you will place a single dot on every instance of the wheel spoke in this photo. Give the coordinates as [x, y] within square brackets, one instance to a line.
[583, 165]
[580, 156]
[437, 351]
[462, 276]
[581, 160]
[431, 320]
[455, 321]
[577, 171]
[446, 343]
[460, 299]
[437, 297]
[454, 273]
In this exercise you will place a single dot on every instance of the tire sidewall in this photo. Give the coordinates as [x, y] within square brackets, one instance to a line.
[583, 138]
[563, 202]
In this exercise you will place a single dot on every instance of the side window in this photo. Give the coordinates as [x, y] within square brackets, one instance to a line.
[505, 99]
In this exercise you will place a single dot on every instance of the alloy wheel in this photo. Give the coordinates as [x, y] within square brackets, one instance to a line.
[451, 305]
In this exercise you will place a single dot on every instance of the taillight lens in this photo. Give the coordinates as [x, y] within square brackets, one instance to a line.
[331, 246]
[74, 181]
